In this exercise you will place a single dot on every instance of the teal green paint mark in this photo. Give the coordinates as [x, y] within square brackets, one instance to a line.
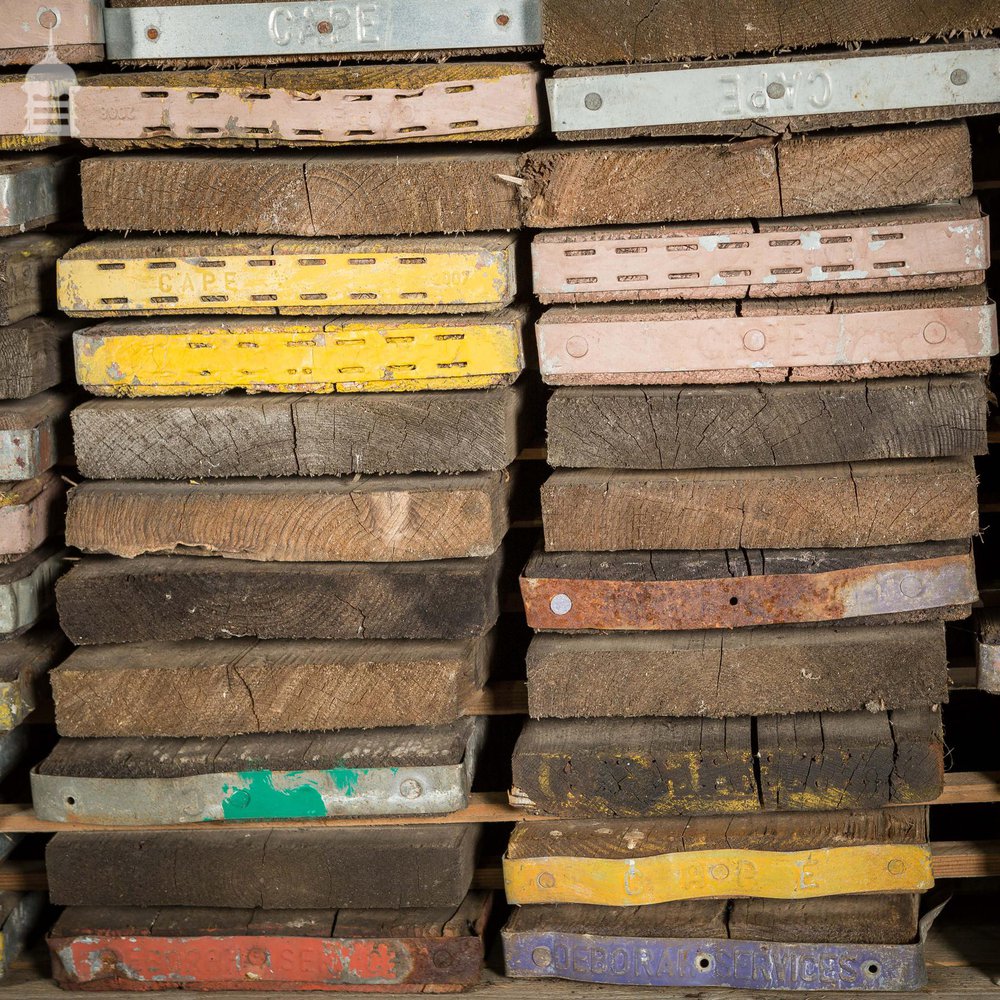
[257, 798]
[345, 780]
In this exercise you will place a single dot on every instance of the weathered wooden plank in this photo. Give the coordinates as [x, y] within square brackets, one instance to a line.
[405, 951]
[837, 506]
[75, 31]
[629, 184]
[788, 93]
[577, 33]
[33, 435]
[175, 357]
[927, 246]
[241, 686]
[117, 277]
[655, 591]
[322, 195]
[859, 336]
[376, 868]
[342, 105]
[27, 586]
[35, 355]
[550, 952]
[648, 862]
[737, 426]
[373, 519]
[168, 598]
[27, 273]
[34, 191]
[669, 767]
[31, 511]
[24, 665]
[833, 761]
[143, 782]
[750, 672]
[322, 435]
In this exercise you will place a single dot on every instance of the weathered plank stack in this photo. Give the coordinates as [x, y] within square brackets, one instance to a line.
[39, 194]
[763, 422]
[298, 494]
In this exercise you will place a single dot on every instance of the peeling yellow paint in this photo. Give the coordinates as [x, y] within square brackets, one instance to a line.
[705, 874]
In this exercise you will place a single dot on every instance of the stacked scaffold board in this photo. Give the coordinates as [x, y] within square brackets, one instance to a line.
[292, 524]
[767, 346]
[39, 213]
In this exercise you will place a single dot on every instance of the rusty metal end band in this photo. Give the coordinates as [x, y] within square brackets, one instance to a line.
[29, 196]
[721, 92]
[734, 602]
[234, 30]
[712, 962]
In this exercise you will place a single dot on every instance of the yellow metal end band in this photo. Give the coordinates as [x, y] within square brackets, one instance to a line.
[287, 281]
[664, 878]
[354, 356]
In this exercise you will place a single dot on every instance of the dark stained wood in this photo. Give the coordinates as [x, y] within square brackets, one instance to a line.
[167, 598]
[661, 767]
[745, 672]
[696, 918]
[242, 686]
[363, 519]
[380, 867]
[287, 194]
[27, 273]
[738, 426]
[840, 506]
[35, 354]
[578, 32]
[314, 435]
[854, 759]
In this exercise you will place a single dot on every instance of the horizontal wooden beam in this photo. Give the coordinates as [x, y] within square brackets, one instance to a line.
[961, 788]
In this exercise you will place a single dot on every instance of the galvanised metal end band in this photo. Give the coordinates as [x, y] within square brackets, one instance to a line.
[31, 195]
[721, 92]
[21, 923]
[713, 962]
[664, 878]
[239, 30]
[306, 279]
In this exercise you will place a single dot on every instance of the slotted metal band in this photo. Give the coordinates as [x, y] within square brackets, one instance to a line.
[292, 29]
[719, 92]
[585, 263]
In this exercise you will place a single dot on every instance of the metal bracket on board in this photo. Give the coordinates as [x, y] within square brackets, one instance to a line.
[29, 24]
[856, 84]
[30, 195]
[239, 30]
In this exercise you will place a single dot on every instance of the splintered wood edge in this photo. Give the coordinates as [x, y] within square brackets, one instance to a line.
[960, 788]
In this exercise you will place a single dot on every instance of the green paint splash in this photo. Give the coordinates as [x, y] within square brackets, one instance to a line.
[257, 798]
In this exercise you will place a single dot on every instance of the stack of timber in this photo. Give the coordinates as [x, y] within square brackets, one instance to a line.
[296, 499]
[39, 212]
[768, 370]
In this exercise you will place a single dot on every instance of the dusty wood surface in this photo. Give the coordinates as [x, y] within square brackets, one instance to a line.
[671, 427]
[840, 506]
[634, 183]
[748, 672]
[285, 194]
[578, 33]
[168, 598]
[374, 519]
[241, 686]
[35, 355]
[331, 435]
[648, 767]
[287, 869]
[27, 273]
